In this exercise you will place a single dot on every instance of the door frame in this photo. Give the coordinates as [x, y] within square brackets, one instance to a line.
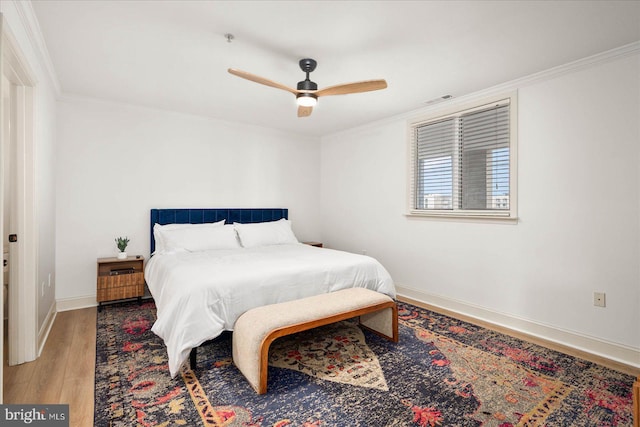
[23, 295]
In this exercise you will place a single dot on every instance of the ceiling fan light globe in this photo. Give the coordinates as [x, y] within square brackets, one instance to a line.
[306, 100]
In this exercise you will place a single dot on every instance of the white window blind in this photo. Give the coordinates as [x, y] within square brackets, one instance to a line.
[462, 164]
[436, 149]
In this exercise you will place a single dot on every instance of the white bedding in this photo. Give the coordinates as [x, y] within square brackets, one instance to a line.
[201, 294]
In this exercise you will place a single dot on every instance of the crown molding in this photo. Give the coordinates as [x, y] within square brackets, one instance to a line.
[31, 26]
[509, 86]
[72, 98]
[570, 67]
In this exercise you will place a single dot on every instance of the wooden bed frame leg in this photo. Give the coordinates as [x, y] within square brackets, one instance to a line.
[192, 358]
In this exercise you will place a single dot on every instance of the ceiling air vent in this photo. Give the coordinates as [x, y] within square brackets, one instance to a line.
[438, 99]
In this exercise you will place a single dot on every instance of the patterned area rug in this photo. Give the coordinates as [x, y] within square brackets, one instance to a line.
[443, 372]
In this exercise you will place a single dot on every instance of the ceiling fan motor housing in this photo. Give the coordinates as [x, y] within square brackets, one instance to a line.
[307, 85]
[307, 99]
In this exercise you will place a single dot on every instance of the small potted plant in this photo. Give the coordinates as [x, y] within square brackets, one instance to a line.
[121, 243]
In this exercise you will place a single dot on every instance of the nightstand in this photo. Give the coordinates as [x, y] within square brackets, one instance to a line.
[120, 279]
[316, 244]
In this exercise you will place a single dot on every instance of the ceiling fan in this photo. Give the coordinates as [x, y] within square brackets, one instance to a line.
[307, 92]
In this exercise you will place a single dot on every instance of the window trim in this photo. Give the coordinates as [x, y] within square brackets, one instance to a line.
[453, 111]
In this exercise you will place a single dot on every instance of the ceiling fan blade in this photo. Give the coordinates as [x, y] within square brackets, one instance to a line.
[304, 111]
[261, 80]
[357, 87]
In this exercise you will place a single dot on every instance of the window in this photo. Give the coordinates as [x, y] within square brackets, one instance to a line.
[463, 162]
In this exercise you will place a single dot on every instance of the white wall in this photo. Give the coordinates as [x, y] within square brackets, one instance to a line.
[20, 19]
[116, 162]
[45, 153]
[578, 229]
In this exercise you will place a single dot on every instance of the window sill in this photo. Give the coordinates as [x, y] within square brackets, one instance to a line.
[470, 217]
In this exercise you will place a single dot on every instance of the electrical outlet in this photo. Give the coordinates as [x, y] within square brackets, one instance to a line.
[599, 299]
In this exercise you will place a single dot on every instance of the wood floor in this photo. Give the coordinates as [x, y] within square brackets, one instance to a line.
[65, 371]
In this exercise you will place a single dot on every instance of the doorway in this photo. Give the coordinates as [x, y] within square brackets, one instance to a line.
[18, 147]
[8, 159]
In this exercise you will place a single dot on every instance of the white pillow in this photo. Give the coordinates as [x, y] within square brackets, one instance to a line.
[195, 239]
[160, 230]
[265, 233]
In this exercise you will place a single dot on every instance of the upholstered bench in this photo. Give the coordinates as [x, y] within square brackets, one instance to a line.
[256, 329]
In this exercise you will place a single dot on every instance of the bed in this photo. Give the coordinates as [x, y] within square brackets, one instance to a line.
[202, 281]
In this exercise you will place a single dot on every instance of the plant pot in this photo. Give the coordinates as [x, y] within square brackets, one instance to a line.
[122, 255]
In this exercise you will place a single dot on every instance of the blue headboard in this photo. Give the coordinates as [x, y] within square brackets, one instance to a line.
[201, 216]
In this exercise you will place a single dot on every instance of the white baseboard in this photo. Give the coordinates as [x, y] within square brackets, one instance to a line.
[612, 351]
[66, 304]
[43, 334]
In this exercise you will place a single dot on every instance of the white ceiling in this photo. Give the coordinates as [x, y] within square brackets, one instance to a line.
[173, 54]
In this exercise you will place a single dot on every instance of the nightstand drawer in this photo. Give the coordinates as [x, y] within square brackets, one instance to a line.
[121, 286]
